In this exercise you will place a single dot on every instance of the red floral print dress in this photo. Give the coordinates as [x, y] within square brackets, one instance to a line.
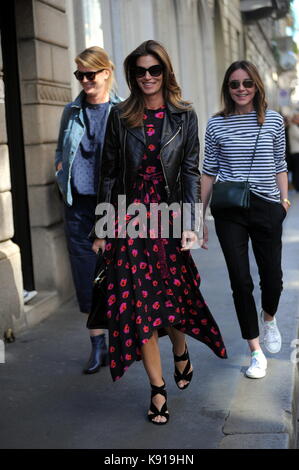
[151, 282]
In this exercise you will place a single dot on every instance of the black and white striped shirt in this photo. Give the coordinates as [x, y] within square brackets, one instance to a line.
[229, 146]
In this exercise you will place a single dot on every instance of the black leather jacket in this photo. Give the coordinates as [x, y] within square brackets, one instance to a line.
[124, 148]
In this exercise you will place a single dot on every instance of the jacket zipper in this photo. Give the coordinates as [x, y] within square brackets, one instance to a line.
[167, 186]
[124, 175]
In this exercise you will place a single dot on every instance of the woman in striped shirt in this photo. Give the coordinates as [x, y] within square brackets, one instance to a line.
[230, 141]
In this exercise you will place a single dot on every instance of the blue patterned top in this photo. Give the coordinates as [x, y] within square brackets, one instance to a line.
[85, 168]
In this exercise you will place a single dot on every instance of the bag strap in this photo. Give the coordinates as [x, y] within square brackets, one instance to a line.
[255, 146]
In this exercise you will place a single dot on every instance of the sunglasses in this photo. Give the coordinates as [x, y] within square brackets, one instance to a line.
[247, 83]
[154, 71]
[89, 75]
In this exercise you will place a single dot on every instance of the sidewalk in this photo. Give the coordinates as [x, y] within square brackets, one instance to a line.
[46, 403]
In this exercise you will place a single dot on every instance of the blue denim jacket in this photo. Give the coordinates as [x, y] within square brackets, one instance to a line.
[71, 131]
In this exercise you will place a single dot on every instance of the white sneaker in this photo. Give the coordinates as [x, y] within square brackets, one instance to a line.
[271, 335]
[258, 365]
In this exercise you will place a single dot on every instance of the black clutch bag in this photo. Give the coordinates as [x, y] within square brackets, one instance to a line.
[97, 316]
[229, 194]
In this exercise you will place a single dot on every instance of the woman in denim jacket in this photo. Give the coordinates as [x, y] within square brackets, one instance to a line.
[77, 163]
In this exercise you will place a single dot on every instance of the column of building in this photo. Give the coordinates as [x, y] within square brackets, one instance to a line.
[11, 285]
[45, 89]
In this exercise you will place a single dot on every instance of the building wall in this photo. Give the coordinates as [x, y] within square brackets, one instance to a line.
[245, 41]
[45, 89]
[11, 285]
[232, 27]
[258, 39]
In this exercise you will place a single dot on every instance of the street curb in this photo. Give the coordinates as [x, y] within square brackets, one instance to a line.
[258, 424]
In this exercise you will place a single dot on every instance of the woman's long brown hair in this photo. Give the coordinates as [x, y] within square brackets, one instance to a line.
[259, 101]
[132, 109]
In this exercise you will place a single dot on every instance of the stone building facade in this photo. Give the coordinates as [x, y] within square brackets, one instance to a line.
[202, 36]
[11, 296]
[32, 245]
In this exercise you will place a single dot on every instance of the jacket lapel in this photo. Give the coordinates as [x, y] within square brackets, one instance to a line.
[138, 132]
[171, 122]
[166, 129]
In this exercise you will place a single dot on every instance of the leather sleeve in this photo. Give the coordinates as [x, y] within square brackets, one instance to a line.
[190, 173]
[110, 158]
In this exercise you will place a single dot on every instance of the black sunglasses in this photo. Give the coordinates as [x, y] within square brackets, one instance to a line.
[247, 83]
[154, 71]
[89, 75]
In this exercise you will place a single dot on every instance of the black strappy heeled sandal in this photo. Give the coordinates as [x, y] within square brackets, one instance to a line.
[155, 412]
[185, 375]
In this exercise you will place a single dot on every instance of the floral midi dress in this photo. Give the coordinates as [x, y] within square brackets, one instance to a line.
[151, 283]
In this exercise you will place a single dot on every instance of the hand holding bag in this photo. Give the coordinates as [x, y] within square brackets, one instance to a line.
[232, 194]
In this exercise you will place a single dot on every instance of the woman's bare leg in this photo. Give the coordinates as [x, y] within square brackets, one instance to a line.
[179, 341]
[152, 364]
[96, 332]
[254, 344]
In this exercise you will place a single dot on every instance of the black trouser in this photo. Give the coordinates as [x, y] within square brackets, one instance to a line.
[262, 223]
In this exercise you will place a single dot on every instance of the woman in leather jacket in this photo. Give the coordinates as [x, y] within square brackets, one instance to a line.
[151, 155]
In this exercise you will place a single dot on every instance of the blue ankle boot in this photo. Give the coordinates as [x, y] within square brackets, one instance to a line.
[98, 356]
